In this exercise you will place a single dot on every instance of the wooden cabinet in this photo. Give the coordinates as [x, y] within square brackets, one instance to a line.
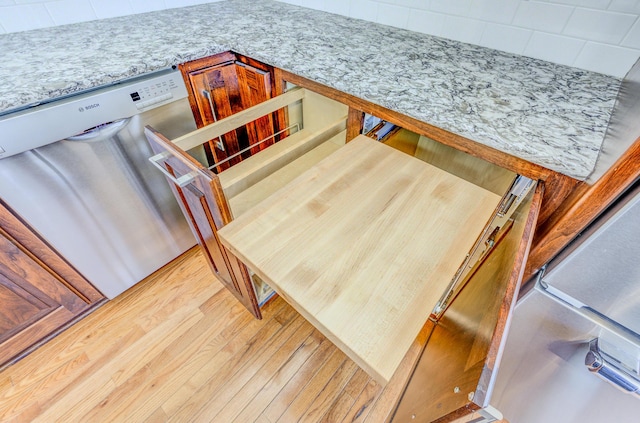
[210, 201]
[198, 192]
[222, 85]
[39, 292]
[372, 245]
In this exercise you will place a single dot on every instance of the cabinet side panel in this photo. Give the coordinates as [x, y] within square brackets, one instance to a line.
[454, 376]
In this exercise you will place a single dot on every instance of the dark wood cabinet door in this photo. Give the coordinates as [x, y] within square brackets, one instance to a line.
[221, 86]
[39, 292]
[454, 375]
[255, 87]
[199, 194]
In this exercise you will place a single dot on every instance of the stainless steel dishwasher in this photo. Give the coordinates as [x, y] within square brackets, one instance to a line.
[76, 169]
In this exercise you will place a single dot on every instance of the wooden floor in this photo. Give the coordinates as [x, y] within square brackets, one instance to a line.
[178, 347]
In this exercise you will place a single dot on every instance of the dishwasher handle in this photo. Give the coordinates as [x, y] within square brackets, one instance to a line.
[101, 132]
[181, 181]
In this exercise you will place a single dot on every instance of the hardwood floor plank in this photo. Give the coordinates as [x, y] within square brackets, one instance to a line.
[28, 414]
[53, 396]
[237, 393]
[229, 341]
[113, 318]
[205, 403]
[130, 360]
[68, 409]
[182, 296]
[179, 347]
[347, 398]
[306, 397]
[297, 383]
[118, 397]
[190, 358]
[363, 404]
[280, 378]
[155, 341]
[16, 397]
[262, 419]
[177, 363]
[5, 382]
[321, 404]
[158, 416]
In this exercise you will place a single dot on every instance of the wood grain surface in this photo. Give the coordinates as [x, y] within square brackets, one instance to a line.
[363, 245]
[177, 345]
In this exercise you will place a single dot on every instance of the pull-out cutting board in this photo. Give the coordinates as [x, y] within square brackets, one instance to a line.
[363, 245]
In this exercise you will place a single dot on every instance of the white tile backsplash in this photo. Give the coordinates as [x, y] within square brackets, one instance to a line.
[142, 6]
[426, 22]
[542, 16]
[397, 16]
[605, 58]
[498, 11]
[576, 31]
[505, 38]
[463, 29]
[632, 40]
[182, 3]
[340, 7]
[554, 48]
[25, 17]
[364, 9]
[70, 11]
[625, 6]
[596, 4]
[111, 8]
[598, 25]
[501, 11]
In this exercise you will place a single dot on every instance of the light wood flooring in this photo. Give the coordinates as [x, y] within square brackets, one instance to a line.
[178, 347]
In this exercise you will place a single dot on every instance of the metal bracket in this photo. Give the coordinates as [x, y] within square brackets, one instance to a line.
[182, 181]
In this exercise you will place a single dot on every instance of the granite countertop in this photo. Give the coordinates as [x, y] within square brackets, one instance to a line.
[552, 115]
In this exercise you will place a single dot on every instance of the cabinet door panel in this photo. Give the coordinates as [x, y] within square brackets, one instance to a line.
[205, 208]
[222, 89]
[255, 86]
[33, 303]
[454, 375]
[224, 92]
[19, 308]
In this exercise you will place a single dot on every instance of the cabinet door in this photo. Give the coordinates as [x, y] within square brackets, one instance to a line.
[199, 194]
[223, 90]
[35, 300]
[454, 376]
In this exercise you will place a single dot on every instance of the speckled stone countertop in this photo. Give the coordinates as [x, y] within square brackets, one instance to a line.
[552, 115]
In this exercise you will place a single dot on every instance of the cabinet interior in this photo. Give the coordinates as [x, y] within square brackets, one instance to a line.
[371, 293]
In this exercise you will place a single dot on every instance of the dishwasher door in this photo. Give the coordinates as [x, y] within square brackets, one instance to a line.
[98, 200]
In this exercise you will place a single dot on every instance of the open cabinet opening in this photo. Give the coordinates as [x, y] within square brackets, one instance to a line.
[367, 240]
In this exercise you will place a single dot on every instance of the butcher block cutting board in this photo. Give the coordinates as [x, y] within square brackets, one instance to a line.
[363, 245]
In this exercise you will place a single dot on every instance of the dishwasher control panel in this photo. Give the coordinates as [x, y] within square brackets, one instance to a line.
[61, 119]
[155, 93]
